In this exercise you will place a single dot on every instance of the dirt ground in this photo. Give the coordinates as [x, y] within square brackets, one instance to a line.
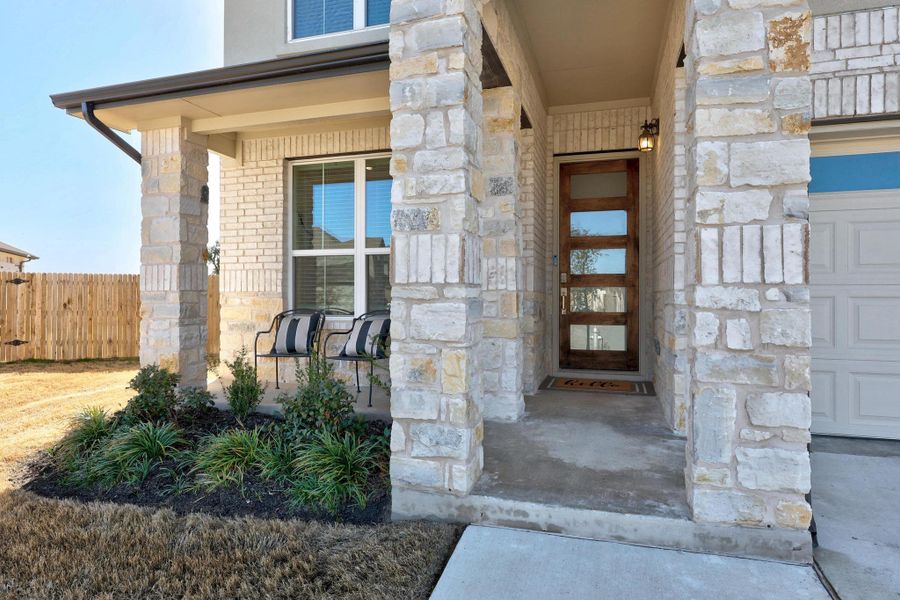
[37, 400]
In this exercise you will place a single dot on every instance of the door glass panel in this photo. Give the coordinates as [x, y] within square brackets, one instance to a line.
[378, 203]
[323, 206]
[599, 223]
[323, 281]
[594, 261]
[599, 185]
[597, 337]
[597, 299]
[378, 281]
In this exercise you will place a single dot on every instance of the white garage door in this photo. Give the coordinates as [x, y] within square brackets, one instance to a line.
[855, 289]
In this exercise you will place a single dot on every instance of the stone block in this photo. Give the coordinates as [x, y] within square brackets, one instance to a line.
[732, 90]
[779, 409]
[723, 367]
[712, 163]
[445, 32]
[773, 469]
[747, 64]
[726, 122]
[768, 163]
[444, 321]
[789, 38]
[719, 506]
[415, 219]
[714, 207]
[720, 477]
[731, 33]
[738, 335]
[415, 404]
[417, 472]
[441, 441]
[454, 375]
[714, 417]
[786, 327]
[754, 435]
[706, 329]
[796, 515]
[727, 298]
[797, 372]
[407, 130]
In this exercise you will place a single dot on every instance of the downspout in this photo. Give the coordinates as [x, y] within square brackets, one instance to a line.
[87, 111]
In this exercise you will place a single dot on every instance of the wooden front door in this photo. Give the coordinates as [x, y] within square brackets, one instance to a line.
[598, 265]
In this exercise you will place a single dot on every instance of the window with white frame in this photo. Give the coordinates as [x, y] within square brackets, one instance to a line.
[341, 233]
[321, 17]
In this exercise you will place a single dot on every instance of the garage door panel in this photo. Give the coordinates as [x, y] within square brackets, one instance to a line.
[822, 248]
[874, 247]
[874, 398]
[875, 324]
[855, 305]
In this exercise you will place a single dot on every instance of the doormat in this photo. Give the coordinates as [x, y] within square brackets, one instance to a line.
[610, 386]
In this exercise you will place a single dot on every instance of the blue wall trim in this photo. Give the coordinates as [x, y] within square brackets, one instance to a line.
[855, 172]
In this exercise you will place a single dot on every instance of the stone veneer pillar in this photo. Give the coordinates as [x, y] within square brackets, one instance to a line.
[436, 304]
[747, 288]
[502, 349]
[173, 279]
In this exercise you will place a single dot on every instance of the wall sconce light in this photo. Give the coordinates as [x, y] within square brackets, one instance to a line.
[649, 131]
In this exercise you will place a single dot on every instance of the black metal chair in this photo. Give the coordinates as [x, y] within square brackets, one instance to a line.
[367, 341]
[297, 332]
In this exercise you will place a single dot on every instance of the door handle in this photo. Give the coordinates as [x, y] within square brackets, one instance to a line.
[563, 300]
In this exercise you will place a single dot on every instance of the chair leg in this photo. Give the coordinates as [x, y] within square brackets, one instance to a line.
[371, 380]
[276, 374]
[356, 362]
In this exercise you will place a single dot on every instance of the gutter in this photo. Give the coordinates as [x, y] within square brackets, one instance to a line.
[87, 111]
[331, 63]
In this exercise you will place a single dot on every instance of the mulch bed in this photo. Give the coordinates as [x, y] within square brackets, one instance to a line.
[258, 498]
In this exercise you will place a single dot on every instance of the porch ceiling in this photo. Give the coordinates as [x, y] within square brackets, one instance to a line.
[595, 50]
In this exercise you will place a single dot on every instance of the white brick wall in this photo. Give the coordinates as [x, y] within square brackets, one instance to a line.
[856, 64]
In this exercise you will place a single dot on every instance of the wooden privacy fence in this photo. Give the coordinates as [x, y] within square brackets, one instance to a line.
[71, 316]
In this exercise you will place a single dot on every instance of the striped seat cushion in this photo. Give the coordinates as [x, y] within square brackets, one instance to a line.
[296, 334]
[363, 335]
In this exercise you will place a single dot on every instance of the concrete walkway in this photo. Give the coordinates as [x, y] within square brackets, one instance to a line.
[494, 563]
[856, 502]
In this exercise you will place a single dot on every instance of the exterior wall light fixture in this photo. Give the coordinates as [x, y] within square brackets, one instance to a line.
[649, 132]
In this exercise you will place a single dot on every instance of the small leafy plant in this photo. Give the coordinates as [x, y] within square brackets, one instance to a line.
[245, 391]
[156, 396]
[276, 457]
[130, 452]
[89, 429]
[333, 470]
[191, 404]
[224, 459]
[322, 402]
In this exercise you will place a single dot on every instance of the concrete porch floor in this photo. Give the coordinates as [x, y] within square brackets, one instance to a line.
[379, 411]
[595, 451]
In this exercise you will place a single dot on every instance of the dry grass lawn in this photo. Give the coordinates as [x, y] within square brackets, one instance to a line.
[37, 400]
[63, 549]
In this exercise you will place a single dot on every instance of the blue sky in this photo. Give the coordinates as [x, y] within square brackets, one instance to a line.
[67, 194]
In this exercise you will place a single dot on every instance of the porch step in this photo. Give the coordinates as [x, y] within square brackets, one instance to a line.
[643, 530]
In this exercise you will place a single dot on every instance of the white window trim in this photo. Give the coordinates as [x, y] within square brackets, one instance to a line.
[359, 24]
[359, 251]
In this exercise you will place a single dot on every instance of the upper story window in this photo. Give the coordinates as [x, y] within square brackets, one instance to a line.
[321, 17]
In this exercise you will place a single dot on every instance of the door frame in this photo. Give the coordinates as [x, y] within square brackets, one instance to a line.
[645, 278]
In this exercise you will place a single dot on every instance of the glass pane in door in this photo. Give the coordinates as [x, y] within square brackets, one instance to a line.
[594, 261]
[599, 223]
[597, 299]
[599, 185]
[598, 337]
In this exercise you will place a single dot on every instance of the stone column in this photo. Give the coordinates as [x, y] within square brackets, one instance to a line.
[746, 283]
[436, 302]
[502, 351]
[173, 241]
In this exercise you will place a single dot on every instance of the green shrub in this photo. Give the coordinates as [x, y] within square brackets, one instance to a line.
[276, 457]
[224, 458]
[245, 391]
[191, 404]
[90, 427]
[129, 454]
[156, 396]
[333, 470]
[322, 402]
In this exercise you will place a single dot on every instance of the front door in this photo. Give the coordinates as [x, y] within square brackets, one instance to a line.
[598, 265]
